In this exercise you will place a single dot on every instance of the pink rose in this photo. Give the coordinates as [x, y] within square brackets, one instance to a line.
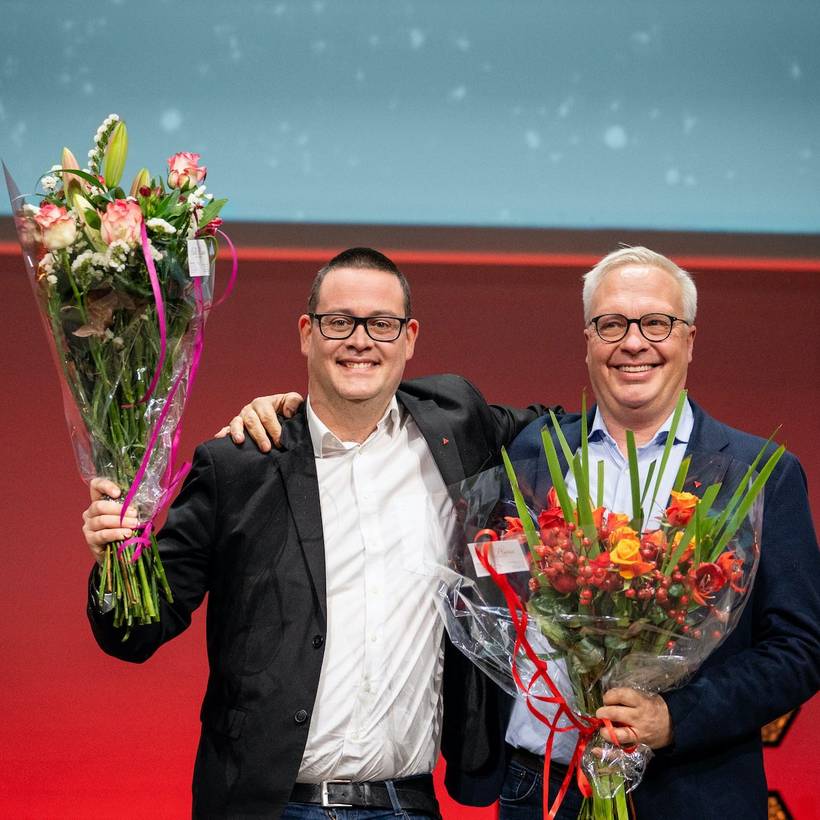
[183, 170]
[122, 220]
[59, 228]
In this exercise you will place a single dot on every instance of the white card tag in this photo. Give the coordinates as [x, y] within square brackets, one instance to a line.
[505, 557]
[199, 264]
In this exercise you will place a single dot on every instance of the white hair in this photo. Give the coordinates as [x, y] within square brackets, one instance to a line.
[641, 256]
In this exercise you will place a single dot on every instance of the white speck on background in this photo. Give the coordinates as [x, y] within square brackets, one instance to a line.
[417, 38]
[533, 139]
[689, 123]
[458, 93]
[795, 71]
[462, 43]
[615, 137]
[672, 176]
[170, 120]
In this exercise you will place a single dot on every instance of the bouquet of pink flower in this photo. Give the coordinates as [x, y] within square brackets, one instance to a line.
[123, 283]
[592, 599]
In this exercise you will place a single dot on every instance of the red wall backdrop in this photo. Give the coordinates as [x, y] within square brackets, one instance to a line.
[84, 735]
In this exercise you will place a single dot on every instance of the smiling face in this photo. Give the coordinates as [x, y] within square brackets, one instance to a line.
[357, 374]
[637, 381]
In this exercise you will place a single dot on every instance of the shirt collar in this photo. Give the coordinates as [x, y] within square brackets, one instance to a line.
[326, 442]
[599, 431]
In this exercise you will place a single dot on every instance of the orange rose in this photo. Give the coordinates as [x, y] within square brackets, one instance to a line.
[680, 511]
[623, 531]
[615, 520]
[626, 555]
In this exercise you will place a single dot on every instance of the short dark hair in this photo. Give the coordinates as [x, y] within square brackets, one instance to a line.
[362, 259]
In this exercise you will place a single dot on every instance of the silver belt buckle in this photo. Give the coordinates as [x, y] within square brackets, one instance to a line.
[326, 804]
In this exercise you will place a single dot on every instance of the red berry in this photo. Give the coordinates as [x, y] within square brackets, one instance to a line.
[630, 593]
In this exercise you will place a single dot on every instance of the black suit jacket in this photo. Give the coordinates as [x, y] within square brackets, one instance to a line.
[247, 529]
[768, 665]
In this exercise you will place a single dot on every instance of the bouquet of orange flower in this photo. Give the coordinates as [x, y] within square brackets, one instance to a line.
[123, 283]
[590, 599]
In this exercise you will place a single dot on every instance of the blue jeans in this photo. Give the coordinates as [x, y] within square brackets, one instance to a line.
[522, 794]
[311, 811]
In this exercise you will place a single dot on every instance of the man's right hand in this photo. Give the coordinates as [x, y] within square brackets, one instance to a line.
[259, 420]
[101, 521]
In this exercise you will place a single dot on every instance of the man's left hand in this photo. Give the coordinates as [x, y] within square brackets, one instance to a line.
[645, 718]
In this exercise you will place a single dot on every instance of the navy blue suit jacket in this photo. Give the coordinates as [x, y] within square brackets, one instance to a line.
[767, 666]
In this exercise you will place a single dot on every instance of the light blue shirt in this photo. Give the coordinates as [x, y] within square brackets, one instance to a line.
[524, 730]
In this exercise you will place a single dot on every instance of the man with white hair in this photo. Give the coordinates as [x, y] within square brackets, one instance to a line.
[639, 313]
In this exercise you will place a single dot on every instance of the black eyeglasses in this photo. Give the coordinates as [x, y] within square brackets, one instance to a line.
[654, 327]
[342, 326]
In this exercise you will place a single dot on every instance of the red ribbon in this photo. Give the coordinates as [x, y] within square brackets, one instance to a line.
[587, 726]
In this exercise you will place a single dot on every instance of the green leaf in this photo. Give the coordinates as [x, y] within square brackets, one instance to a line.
[649, 474]
[211, 211]
[667, 448]
[90, 178]
[533, 538]
[634, 481]
[557, 475]
[683, 471]
[748, 499]
[562, 439]
[742, 486]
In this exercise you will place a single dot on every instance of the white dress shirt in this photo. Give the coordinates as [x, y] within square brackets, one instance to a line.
[524, 730]
[377, 713]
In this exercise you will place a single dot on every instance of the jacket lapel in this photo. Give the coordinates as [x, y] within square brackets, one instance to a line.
[298, 468]
[709, 463]
[437, 430]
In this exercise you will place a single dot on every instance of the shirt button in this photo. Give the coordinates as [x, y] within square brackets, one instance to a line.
[301, 716]
[318, 640]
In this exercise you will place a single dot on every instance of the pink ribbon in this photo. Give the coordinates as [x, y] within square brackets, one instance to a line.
[171, 479]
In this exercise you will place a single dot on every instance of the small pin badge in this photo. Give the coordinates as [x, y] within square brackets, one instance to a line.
[697, 483]
[445, 441]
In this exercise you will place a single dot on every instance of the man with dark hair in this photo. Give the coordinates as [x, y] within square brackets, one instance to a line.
[324, 689]
[360, 259]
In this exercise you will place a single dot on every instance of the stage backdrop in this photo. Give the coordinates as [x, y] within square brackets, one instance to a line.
[84, 735]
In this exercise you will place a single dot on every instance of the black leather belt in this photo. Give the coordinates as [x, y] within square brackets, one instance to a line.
[415, 794]
[535, 763]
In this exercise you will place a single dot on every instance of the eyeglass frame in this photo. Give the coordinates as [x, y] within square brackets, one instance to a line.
[359, 320]
[629, 322]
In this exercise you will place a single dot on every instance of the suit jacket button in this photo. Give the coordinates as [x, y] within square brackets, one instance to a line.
[301, 716]
[318, 640]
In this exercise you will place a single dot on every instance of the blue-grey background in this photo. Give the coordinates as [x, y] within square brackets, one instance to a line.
[578, 114]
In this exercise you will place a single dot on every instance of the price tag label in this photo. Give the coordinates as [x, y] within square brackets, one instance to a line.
[505, 557]
[199, 264]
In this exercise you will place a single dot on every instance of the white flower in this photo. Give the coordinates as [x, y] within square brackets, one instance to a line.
[160, 226]
[118, 342]
[49, 183]
[55, 167]
[81, 260]
[51, 279]
[30, 210]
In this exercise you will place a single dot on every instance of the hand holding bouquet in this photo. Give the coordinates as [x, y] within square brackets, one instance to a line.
[123, 283]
